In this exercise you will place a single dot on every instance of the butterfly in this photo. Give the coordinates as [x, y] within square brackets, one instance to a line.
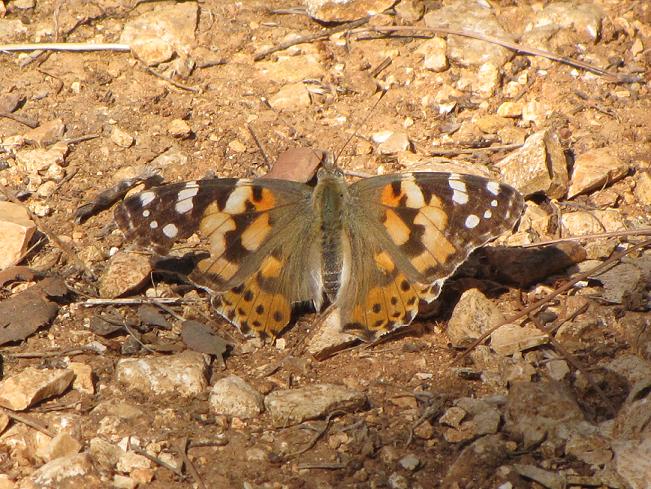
[374, 248]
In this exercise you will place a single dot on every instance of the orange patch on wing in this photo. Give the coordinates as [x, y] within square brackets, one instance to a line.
[267, 200]
[415, 198]
[389, 198]
[398, 231]
[256, 232]
[432, 216]
[384, 261]
[271, 267]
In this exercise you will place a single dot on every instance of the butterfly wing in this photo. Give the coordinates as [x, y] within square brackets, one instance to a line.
[248, 226]
[412, 231]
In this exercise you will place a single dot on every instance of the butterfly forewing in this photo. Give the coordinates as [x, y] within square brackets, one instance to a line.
[251, 230]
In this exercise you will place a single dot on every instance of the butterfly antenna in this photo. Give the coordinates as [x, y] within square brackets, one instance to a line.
[356, 132]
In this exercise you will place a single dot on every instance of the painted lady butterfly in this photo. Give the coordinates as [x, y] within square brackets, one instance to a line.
[373, 248]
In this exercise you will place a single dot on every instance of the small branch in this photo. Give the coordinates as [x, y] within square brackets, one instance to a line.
[20, 119]
[612, 234]
[316, 437]
[309, 38]
[538, 304]
[29, 422]
[156, 460]
[134, 301]
[464, 151]
[614, 77]
[181, 449]
[64, 46]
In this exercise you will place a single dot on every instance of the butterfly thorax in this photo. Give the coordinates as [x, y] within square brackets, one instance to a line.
[329, 204]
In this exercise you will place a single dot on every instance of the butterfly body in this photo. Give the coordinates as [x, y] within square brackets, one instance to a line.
[374, 248]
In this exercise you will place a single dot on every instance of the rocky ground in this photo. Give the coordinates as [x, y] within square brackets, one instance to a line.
[111, 394]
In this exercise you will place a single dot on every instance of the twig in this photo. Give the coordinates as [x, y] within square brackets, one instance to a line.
[612, 234]
[309, 38]
[50, 354]
[135, 337]
[149, 70]
[65, 46]
[258, 143]
[322, 465]
[156, 460]
[429, 412]
[564, 288]
[181, 449]
[615, 77]
[574, 362]
[355, 173]
[28, 421]
[316, 437]
[21, 119]
[136, 301]
[463, 151]
[81, 139]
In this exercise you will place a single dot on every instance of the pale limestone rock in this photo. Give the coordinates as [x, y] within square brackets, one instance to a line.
[291, 97]
[594, 169]
[124, 273]
[465, 14]
[121, 138]
[40, 159]
[292, 69]
[345, 10]
[512, 338]
[473, 315]
[183, 374]
[16, 231]
[538, 167]
[434, 52]
[32, 385]
[293, 406]
[83, 377]
[179, 128]
[232, 396]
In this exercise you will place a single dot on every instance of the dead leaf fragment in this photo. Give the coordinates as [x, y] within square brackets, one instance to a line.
[199, 337]
[23, 314]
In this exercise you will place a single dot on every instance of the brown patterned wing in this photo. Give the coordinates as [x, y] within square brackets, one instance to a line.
[248, 227]
[419, 227]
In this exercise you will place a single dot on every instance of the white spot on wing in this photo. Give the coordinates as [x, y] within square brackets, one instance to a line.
[488, 214]
[184, 203]
[459, 194]
[493, 203]
[170, 230]
[471, 221]
[493, 187]
[146, 213]
[146, 198]
[459, 197]
[153, 224]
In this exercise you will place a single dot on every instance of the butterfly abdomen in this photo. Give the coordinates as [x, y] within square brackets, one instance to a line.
[328, 201]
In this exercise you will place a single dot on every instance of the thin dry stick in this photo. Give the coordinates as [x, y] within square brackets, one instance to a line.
[463, 151]
[259, 144]
[575, 363]
[612, 234]
[564, 288]
[50, 234]
[316, 437]
[136, 301]
[28, 421]
[309, 38]
[64, 46]
[181, 449]
[156, 460]
[144, 66]
[20, 119]
[49, 354]
[615, 77]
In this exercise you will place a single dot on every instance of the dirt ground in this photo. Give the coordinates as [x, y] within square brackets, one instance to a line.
[220, 98]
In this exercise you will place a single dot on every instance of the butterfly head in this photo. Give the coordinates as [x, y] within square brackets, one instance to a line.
[329, 169]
